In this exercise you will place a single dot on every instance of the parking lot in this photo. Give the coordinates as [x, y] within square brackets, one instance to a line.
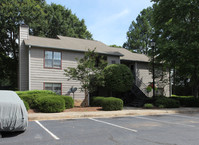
[177, 129]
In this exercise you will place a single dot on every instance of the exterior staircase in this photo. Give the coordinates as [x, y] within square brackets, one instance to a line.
[140, 95]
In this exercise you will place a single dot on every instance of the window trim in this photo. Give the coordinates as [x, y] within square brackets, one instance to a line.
[51, 83]
[52, 66]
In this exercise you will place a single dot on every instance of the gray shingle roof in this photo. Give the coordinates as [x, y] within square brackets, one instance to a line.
[82, 45]
[128, 55]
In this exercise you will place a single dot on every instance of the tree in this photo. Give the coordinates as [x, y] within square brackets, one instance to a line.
[118, 78]
[176, 35]
[116, 46]
[61, 21]
[139, 33]
[43, 20]
[89, 72]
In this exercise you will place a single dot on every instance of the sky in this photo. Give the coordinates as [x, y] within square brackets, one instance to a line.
[107, 20]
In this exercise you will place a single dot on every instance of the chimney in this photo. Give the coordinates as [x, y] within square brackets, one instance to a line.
[23, 57]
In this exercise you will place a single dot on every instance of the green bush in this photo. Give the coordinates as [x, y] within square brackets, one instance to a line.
[160, 106]
[167, 102]
[69, 102]
[148, 106]
[50, 104]
[31, 96]
[97, 101]
[35, 92]
[30, 99]
[111, 103]
[118, 78]
[187, 101]
[26, 105]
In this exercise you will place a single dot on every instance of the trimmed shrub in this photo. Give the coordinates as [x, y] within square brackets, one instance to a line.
[26, 105]
[35, 92]
[50, 104]
[69, 102]
[160, 106]
[167, 102]
[30, 99]
[187, 101]
[118, 78]
[97, 101]
[111, 103]
[148, 106]
[31, 96]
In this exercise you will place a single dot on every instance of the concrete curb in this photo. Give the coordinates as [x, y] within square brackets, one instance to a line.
[105, 114]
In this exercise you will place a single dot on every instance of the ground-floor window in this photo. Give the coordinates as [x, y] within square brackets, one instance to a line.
[55, 87]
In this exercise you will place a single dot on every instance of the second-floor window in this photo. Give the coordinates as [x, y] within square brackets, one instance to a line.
[52, 59]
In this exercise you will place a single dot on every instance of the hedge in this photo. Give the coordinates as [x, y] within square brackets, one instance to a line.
[26, 105]
[167, 103]
[187, 101]
[50, 104]
[31, 96]
[111, 103]
[69, 102]
[97, 101]
[148, 105]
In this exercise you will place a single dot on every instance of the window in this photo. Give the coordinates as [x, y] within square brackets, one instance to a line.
[52, 59]
[113, 62]
[55, 87]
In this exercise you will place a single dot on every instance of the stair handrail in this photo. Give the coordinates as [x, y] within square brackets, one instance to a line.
[143, 89]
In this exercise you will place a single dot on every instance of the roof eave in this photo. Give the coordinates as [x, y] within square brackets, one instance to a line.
[76, 50]
[134, 60]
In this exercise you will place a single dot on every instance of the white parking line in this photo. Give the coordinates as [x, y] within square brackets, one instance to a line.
[166, 122]
[113, 124]
[54, 136]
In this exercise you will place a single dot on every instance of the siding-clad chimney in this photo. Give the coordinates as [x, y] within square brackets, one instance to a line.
[23, 58]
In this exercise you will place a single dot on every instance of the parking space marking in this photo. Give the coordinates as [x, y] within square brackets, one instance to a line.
[166, 122]
[113, 125]
[54, 136]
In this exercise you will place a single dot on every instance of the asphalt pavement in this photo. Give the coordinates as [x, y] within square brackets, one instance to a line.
[165, 129]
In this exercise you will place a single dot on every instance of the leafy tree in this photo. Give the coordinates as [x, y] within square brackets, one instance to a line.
[118, 78]
[176, 35]
[89, 72]
[116, 46]
[139, 33]
[61, 21]
[12, 13]
[43, 20]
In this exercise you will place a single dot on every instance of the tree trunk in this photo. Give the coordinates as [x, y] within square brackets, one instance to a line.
[85, 103]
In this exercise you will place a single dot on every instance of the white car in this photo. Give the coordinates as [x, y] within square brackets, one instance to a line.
[13, 114]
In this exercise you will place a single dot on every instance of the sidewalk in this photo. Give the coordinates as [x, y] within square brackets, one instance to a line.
[127, 111]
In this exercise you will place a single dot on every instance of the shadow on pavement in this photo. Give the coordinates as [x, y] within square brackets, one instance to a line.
[10, 134]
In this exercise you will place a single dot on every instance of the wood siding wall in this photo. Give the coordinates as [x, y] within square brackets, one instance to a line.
[39, 75]
[143, 73]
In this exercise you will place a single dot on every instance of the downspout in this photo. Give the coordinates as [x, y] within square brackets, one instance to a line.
[29, 70]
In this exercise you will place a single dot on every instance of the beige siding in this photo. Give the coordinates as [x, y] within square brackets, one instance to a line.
[23, 59]
[145, 77]
[39, 75]
[113, 58]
